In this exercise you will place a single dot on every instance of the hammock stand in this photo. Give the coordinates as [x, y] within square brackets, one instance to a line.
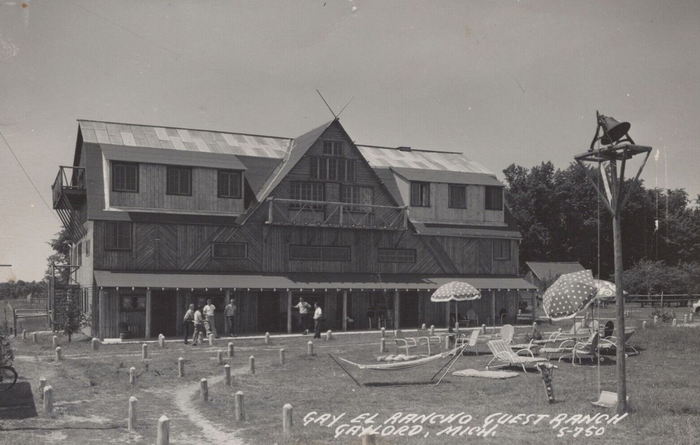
[408, 364]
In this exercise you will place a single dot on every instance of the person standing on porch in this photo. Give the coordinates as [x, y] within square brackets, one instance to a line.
[209, 322]
[188, 322]
[303, 308]
[229, 314]
[199, 330]
[318, 318]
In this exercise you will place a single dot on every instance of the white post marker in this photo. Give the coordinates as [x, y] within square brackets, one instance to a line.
[432, 329]
[483, 328]
[59, 356]
[310, 348]
[685, 319]
[42, 385]
[211, 339]
[369, 439]
[131, 422]
[383, 332]
[163, 434]
[219, 357]
[382, 345]
[144, 351]
[674, 323]
[447, 343]
[644, 324]
[329, 335]
[422, 327]
[227, 375]
[203, 390]
[282, 357]
[54, 340]
[24, 334]
[230, 350]
[34, 340]
[48, 400]
[95, 343]
[239, 407]
[161, 341]
[267, 338]
[251, 361]
[132, 375]
[656, 319]
[287, 419]
[180, 367]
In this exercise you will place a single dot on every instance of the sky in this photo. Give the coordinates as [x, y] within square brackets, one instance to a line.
[504, 82]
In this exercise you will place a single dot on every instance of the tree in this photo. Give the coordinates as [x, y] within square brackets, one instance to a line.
[75, 319]
[61, 245]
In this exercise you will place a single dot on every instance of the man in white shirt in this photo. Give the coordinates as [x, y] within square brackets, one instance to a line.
[303, 308]
[229, 314]
[209, 322]
[187, 321]
[199, 330]
[318, 318]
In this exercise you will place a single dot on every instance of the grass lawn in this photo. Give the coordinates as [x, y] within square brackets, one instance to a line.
[92, 389]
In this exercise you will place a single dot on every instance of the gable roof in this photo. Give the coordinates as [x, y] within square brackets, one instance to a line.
[394, 157]
[547, 270]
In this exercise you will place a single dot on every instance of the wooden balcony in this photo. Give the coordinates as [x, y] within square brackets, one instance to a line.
[298, 212]
[69, 188]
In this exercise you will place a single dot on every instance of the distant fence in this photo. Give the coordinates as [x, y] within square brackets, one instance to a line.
[660, 300]
[14, 318]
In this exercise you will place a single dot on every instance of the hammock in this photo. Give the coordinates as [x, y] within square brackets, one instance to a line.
[396, 366]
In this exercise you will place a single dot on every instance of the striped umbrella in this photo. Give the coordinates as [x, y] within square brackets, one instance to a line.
[571, 293]
[455, 291]
[605, 290]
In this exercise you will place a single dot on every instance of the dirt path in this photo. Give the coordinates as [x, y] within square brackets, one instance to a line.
[211, 432]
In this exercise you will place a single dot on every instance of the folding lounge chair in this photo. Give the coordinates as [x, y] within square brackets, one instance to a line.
[471, 341]
[502, 353]
[584, 349]
[610, 342]
[414, 342]
[565, 347]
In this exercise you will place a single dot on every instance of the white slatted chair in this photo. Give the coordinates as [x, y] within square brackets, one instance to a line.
[503, 354]
[471, 341]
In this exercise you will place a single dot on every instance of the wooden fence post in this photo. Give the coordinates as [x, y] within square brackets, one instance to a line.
[674, 323]
[203, 390]
[227, 375]
[267, 338]
[54, 341]
[163, 434]
[432, 330]
[161, 341]
[644, 324]
[310, 348]
[282, 357]
[382, 345]
[131, 422]
[230, 350]
[211, 339]
[144, 351]
[383, 331]
[95, 343]
[132, 376]
[219, 357]
[287, 419]
[251, 361]
[656, 320]
[24, 334]
[48, 400]
[239, 407]
[180, 367]
[59, 356]
[34, 339]
[329, 335]
[42, 385]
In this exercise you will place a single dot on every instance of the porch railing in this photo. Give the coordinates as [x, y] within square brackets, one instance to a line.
[299, 212]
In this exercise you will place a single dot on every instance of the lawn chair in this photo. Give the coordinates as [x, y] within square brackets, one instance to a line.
[507, 333]
[470, 342]
[584, 349]
[609, 341]
[413, 342]
[502, 353]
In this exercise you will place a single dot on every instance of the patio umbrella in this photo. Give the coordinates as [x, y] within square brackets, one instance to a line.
[606, 290]
[571, 293]
[455, 291]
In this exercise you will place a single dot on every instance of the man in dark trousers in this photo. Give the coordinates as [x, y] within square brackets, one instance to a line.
[318, 319]
[188, 322]
[303, 308]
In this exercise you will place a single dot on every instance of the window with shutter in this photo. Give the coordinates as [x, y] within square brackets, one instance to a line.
[117, 235]
[229, 184]
[457, 198]
[179, 181]
[125, 177]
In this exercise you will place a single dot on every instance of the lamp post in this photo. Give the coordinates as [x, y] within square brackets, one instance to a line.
[610, 151]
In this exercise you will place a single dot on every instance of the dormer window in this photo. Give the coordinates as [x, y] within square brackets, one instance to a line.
[179, 181]
[494, 198]
[229, 184]
[420, 194]
[125, 177]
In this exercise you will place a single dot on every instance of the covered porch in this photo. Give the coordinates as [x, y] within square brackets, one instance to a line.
[146, 304]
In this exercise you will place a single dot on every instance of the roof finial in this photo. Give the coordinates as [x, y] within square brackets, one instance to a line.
[335, 116]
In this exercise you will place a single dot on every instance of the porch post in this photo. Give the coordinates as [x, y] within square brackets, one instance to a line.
[397, 312]
[493, 306]
[345, 309]
[148, 313]
[179, 311]
[447, 314]
[289, 310]
[101, 313]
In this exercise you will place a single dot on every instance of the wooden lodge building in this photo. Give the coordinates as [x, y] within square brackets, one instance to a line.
[162, 217]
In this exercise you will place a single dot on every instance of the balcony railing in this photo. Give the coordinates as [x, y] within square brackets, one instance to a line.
[299, 212]
[69, 184]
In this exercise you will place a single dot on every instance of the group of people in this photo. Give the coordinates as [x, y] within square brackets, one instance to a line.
[201, 323]
[303, 321]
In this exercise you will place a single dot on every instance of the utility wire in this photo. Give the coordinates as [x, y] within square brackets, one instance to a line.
[26, 173]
